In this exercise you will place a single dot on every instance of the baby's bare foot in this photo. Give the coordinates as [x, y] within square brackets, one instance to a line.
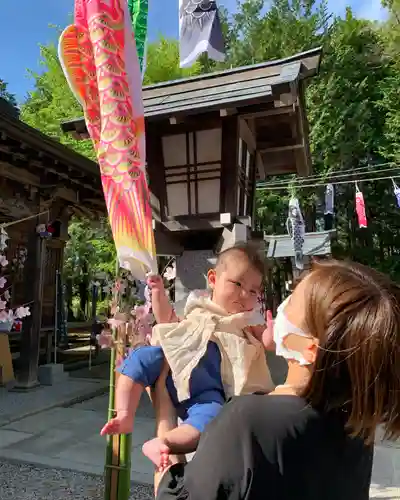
[121, 424]
[158, 452]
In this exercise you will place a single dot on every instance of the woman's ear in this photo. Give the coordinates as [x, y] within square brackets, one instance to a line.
[211, 275]
[307, 346]
[310, 351]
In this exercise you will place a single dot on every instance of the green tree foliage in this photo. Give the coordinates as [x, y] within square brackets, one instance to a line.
[390, 104]
[347, 130]
[258, 34]
[5, 94]
[163, 63]
[89, 251]
[353, 108]
[52, 102]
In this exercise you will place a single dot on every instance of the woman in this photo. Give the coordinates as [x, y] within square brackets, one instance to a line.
[312, 438]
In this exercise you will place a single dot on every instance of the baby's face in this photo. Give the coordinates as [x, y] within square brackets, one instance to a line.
[236, 285]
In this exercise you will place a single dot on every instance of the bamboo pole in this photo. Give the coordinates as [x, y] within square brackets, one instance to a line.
[111, 399]
[125, 443]
[56, 320]
[124, 481]
[118, 452]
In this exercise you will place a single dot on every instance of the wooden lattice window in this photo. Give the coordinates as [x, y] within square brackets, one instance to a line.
[246, 180]
[193, 172]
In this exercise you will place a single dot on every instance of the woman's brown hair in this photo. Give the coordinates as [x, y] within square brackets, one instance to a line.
[354, 312]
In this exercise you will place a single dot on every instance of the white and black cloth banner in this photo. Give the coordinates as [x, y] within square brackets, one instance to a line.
[199, 31]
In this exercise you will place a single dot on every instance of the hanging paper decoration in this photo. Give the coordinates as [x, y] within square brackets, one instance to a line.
[138, 10]
[296, 229]
[360, 208]
[329, 200]
[199, 31]
[329, 206]
[100, 62]
[396, 190]
[7, 314]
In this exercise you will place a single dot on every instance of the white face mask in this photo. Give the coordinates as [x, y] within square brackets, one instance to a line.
[282, 328]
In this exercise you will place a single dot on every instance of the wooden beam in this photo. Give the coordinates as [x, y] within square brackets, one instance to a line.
[283, 169]
[306, 167]
[67, 194]
[100, 202]
[251, 123]
[25, 176]
[247, 135]
[30, 336]
[156, 171]
[175, 120]
[260, 167]
[191, 124]
[286, 99]
[281, 149]
[82, 211]
[269, 112]
[194, 224]
[229, 165]
[166, 244]
[20, 175]
[19, 156]
[227, 112]
[155, 207]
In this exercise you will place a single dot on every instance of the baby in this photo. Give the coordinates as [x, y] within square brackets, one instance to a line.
[214, 353]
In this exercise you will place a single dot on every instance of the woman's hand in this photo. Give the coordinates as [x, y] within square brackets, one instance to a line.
[268, 333]
[265, 335]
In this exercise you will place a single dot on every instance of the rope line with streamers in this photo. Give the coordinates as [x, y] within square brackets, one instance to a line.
[335, 183]
[327, 177]
[8, 224]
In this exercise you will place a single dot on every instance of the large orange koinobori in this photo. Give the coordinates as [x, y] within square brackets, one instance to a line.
[99, 58]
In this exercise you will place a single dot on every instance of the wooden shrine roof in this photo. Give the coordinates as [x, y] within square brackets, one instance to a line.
[30, 157]
[318, 243]
[236, 87]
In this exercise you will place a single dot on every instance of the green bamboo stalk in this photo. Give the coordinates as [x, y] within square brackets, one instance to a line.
[111, 405]
[123, 471]
[124, 478]
[111, 402]
[125, 446]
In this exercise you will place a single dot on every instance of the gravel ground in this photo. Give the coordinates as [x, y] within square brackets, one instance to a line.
[25, 482]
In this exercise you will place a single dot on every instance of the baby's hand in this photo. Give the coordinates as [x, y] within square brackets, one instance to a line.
[155, 283]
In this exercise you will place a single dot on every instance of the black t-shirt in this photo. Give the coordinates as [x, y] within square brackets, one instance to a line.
[273, 448]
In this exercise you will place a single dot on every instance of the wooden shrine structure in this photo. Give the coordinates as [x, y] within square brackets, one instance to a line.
[279, 250]
[208, 139]
[39, 176]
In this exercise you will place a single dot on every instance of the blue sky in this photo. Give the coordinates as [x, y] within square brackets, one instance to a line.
[25, 24]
